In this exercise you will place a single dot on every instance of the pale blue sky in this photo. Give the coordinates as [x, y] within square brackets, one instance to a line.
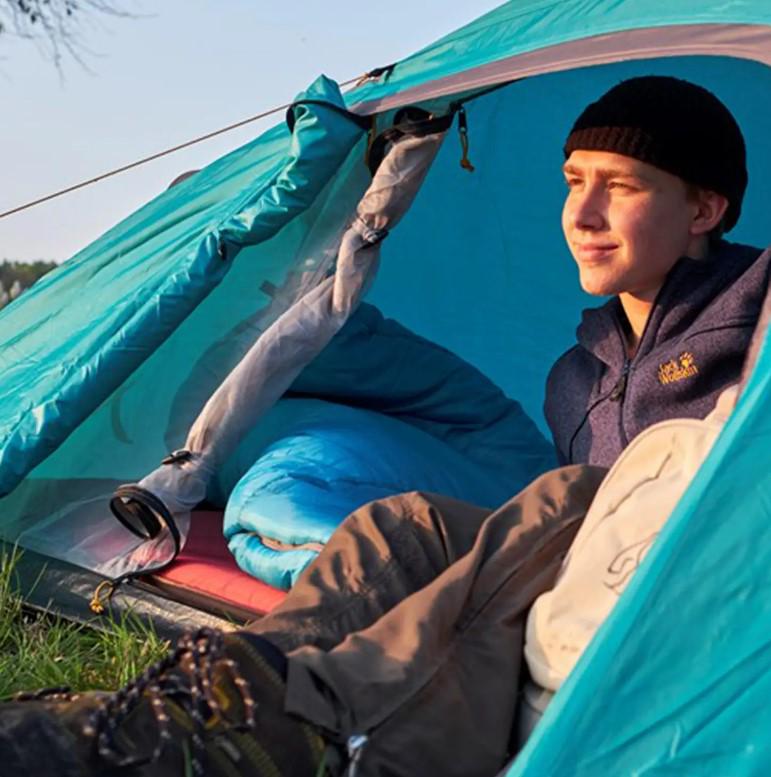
[183, 68]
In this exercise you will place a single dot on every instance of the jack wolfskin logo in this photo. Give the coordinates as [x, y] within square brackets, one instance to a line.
[684, 367]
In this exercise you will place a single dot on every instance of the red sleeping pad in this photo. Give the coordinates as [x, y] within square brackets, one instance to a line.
[205, 572]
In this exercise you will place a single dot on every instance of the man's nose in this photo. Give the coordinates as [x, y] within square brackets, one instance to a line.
[589, 208]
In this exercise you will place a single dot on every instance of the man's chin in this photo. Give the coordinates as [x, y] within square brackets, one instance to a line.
[598, 287]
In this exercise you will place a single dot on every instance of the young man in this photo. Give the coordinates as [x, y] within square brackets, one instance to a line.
[399, 650]
[656, 173]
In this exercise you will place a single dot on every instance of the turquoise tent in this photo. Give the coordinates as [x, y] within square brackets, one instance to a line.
[106, 362]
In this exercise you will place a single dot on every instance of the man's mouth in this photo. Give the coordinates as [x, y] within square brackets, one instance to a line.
[588, 252]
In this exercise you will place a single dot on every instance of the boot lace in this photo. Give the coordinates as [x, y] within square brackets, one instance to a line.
[198, 654]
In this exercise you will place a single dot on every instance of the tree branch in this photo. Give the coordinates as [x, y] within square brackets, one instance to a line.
[55, 25]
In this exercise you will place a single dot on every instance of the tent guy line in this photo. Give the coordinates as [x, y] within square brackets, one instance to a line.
[152, 157]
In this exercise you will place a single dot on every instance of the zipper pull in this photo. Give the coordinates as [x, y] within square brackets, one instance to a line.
[620, 388]
[101, 597]
[465, 162]
[355, 745]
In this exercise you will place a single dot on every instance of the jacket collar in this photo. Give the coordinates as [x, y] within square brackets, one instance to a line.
[690, 287]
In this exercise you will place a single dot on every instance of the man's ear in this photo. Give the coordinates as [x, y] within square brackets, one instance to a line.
[710, 207]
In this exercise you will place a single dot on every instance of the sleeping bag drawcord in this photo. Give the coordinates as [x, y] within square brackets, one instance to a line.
[465, 163]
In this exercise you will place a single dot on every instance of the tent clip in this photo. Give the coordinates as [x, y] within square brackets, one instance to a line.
[101, 596]
[465, 162]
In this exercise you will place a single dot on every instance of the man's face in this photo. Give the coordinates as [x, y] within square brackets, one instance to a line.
[625, 221]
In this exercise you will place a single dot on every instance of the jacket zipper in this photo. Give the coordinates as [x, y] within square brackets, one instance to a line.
[618, 391]
[355, 747]
[584, 420]
[617, 395]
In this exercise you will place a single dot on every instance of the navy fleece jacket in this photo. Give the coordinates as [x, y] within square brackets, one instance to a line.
[692, 347]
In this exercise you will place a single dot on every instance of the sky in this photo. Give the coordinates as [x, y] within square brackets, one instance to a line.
[175, 70]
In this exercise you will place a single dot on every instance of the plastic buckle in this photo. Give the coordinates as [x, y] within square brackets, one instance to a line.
[176, 456]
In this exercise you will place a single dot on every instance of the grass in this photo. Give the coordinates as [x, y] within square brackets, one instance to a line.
[41, 651]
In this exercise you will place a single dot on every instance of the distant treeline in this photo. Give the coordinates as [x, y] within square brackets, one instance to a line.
[17, 276]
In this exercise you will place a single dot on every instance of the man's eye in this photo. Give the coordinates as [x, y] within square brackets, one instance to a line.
[571, 183]
[622, 185]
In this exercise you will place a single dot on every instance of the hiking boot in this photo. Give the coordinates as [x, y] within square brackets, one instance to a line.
[213, 706]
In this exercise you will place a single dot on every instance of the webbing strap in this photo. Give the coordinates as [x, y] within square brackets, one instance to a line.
[414, 122]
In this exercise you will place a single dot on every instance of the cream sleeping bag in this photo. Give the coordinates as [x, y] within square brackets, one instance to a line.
[631, 506]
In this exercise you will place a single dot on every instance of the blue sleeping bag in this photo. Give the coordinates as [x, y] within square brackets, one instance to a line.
[327, 460]
[381, 411]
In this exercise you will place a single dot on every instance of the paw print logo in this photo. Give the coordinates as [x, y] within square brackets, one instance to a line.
[673, 371]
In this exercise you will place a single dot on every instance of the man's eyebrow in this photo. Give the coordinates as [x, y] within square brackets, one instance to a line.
[610, 172]
[604, 172]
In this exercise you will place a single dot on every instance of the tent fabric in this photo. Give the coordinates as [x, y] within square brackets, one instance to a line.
[107, 361]
[105, 334]
[168, 231]
[745, 41]
[42, 425]
[517, 28]
[377, 363]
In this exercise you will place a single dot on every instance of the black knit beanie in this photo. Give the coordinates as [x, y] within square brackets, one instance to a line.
[671, 124]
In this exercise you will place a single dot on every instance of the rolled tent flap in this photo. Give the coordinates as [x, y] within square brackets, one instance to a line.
[73, 339]
[323, 134]
[299, 335]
